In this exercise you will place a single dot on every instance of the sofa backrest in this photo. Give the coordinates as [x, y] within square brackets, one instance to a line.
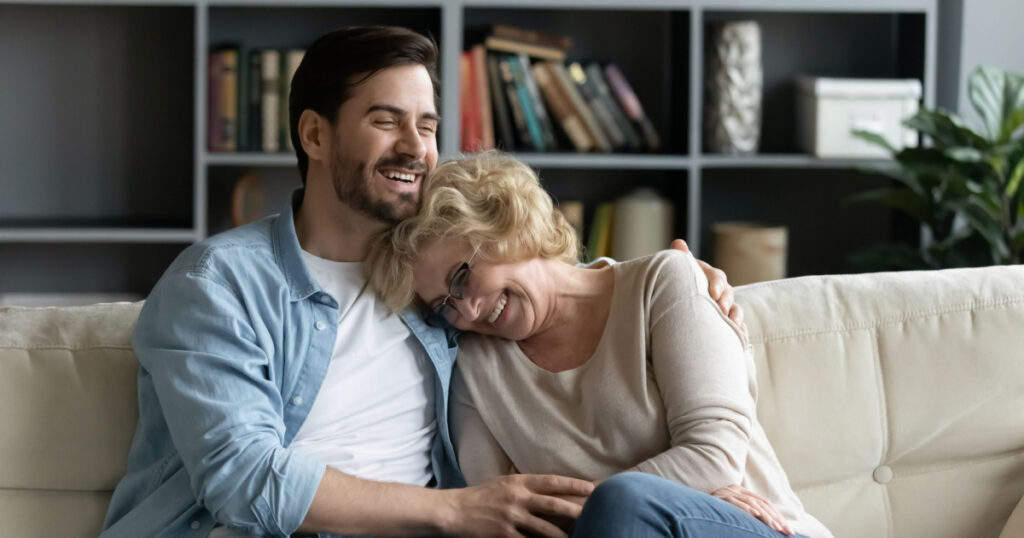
[68, 410]
[896, 401]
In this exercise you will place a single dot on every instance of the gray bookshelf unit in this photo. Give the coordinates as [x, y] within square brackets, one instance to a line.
[105, 175]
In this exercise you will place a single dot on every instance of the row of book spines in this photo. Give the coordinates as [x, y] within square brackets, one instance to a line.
[248, 99]
[506, 98]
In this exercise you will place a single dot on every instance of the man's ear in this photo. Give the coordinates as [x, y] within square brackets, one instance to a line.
[314, 134]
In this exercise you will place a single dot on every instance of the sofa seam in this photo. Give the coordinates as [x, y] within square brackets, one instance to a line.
[967, 463]
[884, 422]
[875, 324]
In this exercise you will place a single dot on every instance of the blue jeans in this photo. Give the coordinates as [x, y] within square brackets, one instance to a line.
[640, 505]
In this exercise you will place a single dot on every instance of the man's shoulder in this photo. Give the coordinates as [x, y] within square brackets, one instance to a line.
[242, 250]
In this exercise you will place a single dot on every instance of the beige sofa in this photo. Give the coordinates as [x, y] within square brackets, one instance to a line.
[895, 402]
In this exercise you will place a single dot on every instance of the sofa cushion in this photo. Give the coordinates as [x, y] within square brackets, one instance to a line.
[68, 409]
[896, 401]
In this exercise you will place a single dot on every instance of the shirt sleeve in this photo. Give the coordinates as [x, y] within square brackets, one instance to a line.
[196, 341]
[480, 456]
[705, 376]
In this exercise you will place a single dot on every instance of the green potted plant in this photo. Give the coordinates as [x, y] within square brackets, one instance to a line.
[965, 188]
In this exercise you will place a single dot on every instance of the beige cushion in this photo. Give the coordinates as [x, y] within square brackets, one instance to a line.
[896, 401]
[1015, 526]
[68, 409]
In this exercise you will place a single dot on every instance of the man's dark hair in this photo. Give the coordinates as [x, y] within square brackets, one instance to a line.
[341, 60]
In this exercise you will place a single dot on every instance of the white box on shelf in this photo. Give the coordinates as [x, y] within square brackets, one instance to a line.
[830, 109]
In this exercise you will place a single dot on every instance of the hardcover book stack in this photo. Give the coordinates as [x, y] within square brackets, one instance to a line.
[520, 94]
[247, 100]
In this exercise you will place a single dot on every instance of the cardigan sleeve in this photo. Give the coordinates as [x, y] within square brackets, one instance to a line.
[705, 376]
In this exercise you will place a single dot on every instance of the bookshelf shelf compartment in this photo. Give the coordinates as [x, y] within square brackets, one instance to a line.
[650, 47]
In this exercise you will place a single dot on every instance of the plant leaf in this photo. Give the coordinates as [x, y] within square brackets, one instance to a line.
[904, 176]
[946, 129]
[964, 155]
[988, 203]
[997, 96]
[874, 138]
[980, 221]
[1014, 183]
[901, 199]
[1018, 238]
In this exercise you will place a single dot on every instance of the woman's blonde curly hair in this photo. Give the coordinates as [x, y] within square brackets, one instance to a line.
[492, 201]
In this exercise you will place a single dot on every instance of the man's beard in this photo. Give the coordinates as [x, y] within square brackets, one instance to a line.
[354, 189]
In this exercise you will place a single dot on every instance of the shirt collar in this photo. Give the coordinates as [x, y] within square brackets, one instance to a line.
[289, 252]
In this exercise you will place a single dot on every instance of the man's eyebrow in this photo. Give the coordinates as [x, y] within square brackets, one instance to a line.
[400, 112]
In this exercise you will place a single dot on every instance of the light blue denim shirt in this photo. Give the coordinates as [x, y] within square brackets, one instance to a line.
[233, 344]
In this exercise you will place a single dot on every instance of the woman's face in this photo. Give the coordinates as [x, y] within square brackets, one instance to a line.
[510, 300]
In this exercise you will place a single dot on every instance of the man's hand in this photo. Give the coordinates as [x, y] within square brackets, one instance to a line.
[755, 505]
[718, 287]
[515, 506]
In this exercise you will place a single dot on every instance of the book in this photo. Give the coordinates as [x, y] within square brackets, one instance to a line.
[270, 97]
[504, 135]
[242, 103]
[532, 125]
[561, 108]
[600, 142]
[482, 93]
[547, 130]
[600, 241]
[595, 75]
[531, 37]
[213, 102]
[223, 99]
[537, 51]
[601, 113]
[469, 111]
[631, 106]
[290, 63]
[523, 140]
[255, 95]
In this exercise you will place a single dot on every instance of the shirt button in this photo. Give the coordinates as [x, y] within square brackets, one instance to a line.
[195, 525]
[320, 325]
[297, 400]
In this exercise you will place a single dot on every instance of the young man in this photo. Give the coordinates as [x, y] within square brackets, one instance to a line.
[276, 393]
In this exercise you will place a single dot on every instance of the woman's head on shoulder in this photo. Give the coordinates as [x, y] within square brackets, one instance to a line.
[486, 210]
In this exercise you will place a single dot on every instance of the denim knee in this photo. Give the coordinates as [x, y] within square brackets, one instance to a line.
[624, 490]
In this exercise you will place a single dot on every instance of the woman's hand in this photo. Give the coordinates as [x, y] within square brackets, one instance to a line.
[718, 287]
[755, 505]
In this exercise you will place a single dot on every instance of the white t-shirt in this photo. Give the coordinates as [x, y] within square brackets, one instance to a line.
[374, 415]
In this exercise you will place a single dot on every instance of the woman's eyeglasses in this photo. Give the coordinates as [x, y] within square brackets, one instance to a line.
[445, 314]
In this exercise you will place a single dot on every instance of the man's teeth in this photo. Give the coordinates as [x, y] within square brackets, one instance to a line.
[502, 301]
[408, 178]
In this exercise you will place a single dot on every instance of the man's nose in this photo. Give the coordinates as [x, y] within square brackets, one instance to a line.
[411, 142]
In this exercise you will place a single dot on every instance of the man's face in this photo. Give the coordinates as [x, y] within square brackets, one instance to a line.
[385, 143]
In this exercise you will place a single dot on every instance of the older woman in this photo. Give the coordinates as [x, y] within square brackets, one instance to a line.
[584, 371]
